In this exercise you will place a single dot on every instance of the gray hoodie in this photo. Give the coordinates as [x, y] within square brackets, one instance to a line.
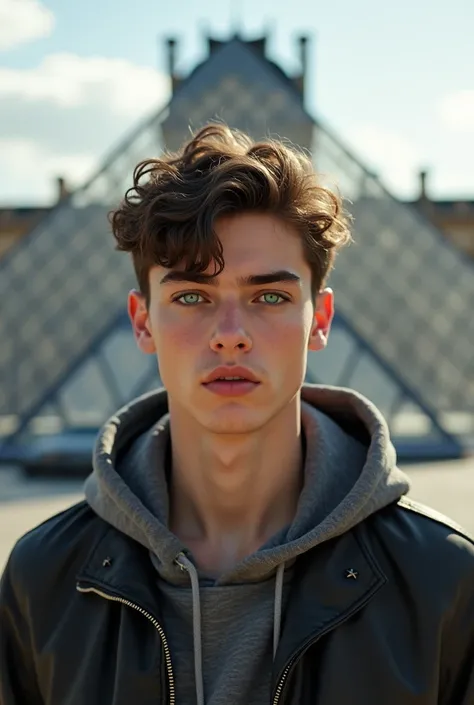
[223, 633]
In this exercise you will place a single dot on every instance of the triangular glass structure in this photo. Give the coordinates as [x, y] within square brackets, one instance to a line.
[405, 331]
[66, 285]
[348, 361]
[404, 287]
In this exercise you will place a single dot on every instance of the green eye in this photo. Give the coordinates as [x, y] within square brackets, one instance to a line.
[189, 299]
[272, 298]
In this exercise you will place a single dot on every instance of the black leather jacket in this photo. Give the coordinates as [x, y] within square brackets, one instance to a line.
[383, 615]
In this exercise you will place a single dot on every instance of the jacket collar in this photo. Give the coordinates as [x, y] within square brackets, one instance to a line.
[121, 567]
[330, 584]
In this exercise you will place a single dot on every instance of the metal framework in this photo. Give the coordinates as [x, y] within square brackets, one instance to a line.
[404, 334]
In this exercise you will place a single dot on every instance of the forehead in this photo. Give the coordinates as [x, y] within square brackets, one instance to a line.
[253, 244]
[260, 241]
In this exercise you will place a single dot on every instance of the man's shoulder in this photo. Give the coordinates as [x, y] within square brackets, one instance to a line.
[426, 541]
[57, 546]
[433, 520]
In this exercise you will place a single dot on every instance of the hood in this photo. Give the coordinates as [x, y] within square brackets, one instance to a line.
[350, 472]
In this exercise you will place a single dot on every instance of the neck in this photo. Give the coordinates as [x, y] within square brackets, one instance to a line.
[229, 495]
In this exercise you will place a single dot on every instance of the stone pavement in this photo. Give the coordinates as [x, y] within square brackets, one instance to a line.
[24, 503]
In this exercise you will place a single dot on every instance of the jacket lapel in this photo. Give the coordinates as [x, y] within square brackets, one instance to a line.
[122, 568]
[331, 583]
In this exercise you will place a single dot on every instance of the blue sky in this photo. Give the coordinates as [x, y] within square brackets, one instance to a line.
[395, 82]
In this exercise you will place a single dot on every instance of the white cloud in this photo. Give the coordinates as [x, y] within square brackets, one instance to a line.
[63, 115]
[68, 80]
[457, 111]
[22, 21]
[36, 169]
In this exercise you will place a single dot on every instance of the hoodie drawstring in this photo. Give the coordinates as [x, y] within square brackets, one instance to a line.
[185, 564]
[277, 608]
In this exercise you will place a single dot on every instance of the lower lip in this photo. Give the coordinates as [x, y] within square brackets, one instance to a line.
[231, 389]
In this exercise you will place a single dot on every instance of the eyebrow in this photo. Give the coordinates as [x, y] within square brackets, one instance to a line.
[282, 275]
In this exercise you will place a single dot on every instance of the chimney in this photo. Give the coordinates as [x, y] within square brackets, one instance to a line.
[172, 59]
[62, 190]
[423, 176]
[303, 45]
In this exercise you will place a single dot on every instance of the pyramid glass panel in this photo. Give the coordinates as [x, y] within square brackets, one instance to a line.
[85, 385]
[404, 295]
[393, 284]
[127, 364]
[50, 420]
[66, 283]
[348, 362]
[114, 373]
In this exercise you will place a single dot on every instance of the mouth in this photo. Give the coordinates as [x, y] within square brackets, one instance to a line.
[231, 379]
[231, 385]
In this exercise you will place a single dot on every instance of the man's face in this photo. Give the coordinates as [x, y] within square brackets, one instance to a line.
[265, 326]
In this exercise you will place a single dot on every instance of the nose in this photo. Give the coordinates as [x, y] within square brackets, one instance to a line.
[230, 333]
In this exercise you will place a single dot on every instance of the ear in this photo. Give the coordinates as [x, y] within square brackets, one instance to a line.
[323, 316]
[138, 313]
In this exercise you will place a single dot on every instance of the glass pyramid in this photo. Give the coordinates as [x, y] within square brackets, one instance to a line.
[405, 329]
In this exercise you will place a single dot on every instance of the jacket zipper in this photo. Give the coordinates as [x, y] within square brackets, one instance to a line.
[283, 678]
[158, 627]
[304, 649]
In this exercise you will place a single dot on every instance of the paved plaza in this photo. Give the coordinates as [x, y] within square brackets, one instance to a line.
[24, 503]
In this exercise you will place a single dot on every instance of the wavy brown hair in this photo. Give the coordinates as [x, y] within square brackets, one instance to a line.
[167, 217]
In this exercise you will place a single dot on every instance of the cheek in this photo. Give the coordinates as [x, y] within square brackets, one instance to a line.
[175, 347]
[174, 336]
[290, 332]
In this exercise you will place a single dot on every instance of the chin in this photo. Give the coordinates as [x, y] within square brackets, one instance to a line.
[234, 421]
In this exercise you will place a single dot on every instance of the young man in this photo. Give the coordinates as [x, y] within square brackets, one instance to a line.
[245, 539]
